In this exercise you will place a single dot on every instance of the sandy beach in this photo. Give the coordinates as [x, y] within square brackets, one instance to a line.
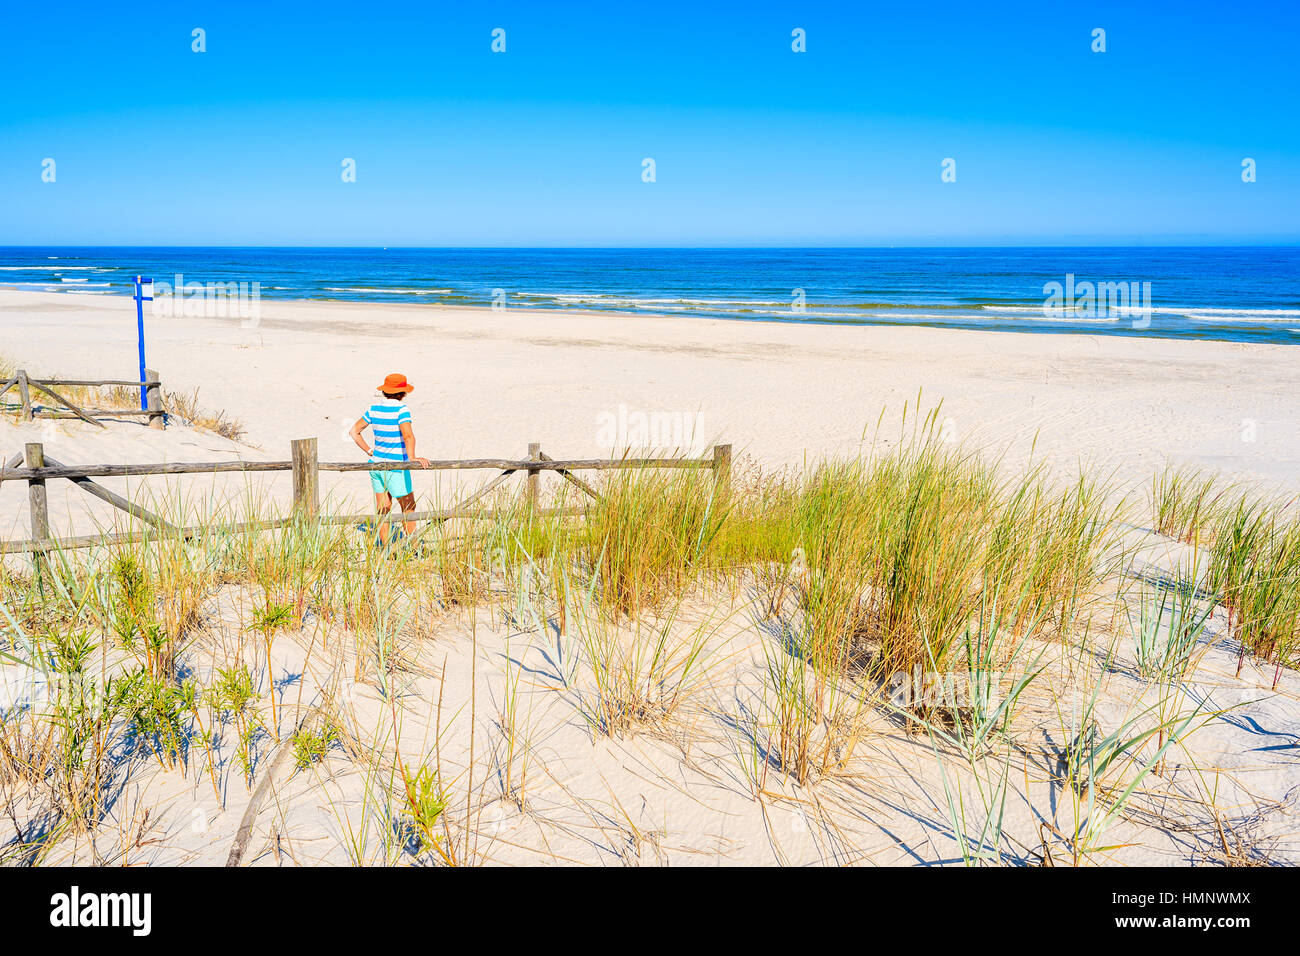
[487, 384]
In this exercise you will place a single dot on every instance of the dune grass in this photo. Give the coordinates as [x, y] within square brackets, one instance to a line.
[1186, 503]
[1255, 570]
[1254, 556]
[180, 406]
[922, 560]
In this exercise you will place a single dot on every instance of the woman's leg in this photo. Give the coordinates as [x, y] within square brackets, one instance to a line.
[383, 504]
[407, 503]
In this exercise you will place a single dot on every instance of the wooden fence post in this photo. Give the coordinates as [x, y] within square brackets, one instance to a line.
[24, 396]
[306, 477]
[722, 471]
[37, 505]
[153, 398]
[534, 476]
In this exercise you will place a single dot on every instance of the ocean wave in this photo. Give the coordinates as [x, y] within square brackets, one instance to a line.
[1228, 311]
[731, 304]
[1197, 314]
[388, 291]
[612, 298]
[56, 268]
[784, 309]
[967, 317]
[1241, 316]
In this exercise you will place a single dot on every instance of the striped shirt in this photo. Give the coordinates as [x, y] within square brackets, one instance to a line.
[386, 417]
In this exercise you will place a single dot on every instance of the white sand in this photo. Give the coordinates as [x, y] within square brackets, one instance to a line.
[490, 382]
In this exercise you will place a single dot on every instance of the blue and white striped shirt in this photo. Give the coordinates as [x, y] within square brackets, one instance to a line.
[386, 417]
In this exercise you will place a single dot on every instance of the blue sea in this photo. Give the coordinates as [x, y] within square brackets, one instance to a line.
[1230, 293]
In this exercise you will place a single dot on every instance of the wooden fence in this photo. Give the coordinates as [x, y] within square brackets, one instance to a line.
[27, 411]
[36, 469]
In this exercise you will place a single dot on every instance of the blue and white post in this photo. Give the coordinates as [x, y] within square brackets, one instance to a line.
[140, 300]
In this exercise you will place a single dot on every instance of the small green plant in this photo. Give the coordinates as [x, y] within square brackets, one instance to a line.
[267, 620]
[134, 589]
[1166, 633]
[311, 746]
[271, 618]
[425, 803]
[72, 650]
[233, 694]
[157, 650]
[191, 698]
[157, 708]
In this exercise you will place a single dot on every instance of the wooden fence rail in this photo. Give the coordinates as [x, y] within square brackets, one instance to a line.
[27, 412]
[305, 468]
[468, 464]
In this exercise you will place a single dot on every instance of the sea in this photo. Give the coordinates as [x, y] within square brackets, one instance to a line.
[1236, 293]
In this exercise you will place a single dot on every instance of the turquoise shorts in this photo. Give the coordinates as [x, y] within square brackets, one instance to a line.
[395, 483]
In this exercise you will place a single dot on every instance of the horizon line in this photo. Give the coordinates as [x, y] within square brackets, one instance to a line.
[1256, 244]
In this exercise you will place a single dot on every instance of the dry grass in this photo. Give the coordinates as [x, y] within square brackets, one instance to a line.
[923, 558]
[1254, 565]
[181, 406]
[185, 407]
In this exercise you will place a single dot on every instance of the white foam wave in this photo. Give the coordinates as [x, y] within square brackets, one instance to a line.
[1293, 313]
[1241, 316]
[683, 302]
[55, 269]
[388, 291]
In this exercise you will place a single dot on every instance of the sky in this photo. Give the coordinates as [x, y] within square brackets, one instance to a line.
[753, 143]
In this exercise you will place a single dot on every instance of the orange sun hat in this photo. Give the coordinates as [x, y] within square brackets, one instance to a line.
[396, 383]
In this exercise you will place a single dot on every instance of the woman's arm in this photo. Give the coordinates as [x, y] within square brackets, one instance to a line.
[408, 439]
[356, 431]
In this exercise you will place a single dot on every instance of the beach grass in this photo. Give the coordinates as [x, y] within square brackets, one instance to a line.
[1253, 546]
[181, 406]
[1254, 568]
[1186, 503]
[922, 559]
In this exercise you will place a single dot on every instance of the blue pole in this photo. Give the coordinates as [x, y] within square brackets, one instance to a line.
[140, 300]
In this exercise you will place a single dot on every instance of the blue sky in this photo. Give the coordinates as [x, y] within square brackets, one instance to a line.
[753, 143]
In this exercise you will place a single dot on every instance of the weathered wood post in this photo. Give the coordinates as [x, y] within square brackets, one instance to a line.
[722, 472]
[153, 398]
[37, 504]
[533, 487]
[306, 478]
[24, 396]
